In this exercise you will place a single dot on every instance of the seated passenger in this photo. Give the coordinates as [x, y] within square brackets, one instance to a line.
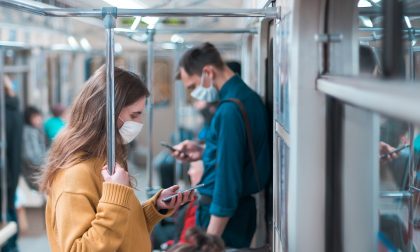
[88, 209]
[34, 146]
[54, 124]
[199, 241]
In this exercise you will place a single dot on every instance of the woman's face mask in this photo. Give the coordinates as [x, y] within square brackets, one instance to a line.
[129, 130]
[202, 93]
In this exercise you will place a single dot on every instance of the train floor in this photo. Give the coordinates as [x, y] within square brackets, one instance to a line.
[35, 238]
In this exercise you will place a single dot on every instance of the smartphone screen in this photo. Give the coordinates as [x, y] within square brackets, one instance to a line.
[167, 199]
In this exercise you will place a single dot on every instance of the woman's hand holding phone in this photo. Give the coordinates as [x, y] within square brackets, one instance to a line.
[175, 202]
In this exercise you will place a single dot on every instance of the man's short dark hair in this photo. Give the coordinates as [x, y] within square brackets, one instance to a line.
[195, 59]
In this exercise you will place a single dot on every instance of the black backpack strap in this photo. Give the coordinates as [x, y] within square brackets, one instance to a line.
[248, 135]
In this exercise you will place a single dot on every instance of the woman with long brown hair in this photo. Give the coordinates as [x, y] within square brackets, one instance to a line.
[88, 209]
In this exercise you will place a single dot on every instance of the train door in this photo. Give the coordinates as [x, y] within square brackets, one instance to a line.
[278, 75]
[265, 76]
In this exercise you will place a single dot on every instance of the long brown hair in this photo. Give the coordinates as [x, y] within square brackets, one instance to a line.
[84, 137]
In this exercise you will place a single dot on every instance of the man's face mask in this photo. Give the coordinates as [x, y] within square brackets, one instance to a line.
[129, 130]
[209, 94]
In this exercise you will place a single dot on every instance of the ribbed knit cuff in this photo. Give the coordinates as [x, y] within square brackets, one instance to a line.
[116, 194]
[153, 216]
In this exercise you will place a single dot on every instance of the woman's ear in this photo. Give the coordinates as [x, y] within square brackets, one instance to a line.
[119, 122]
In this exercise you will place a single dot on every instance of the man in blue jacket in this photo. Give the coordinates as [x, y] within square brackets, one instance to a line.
[226, 206]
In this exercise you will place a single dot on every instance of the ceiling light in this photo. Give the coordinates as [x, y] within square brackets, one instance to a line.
[134, 4]
[135, 23]
[366, 21]
[364, 3]
[168, 46]
[151, 22]
[73, 42]
[118, 48]
[177, 39]
[407, 21]
[84, 43]
[139, 37]
[61, 47]
[127, 4]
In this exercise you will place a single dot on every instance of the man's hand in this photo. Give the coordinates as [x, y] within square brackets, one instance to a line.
[188, 151]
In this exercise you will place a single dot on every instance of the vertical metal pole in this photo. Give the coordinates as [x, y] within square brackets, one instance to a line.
[411, 164]
[150, 63]
[411, 63]
[109, 17]
[392, 56]
[177, 101]
[411, 184]
[3, 142]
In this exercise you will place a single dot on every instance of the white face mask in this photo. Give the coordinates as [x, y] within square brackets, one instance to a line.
[129, 130]
[202, 93]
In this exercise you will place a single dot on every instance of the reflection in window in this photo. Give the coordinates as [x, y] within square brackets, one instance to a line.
[399, 214]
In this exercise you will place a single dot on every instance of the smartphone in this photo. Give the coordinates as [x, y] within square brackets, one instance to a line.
[168, 146]
[395, 151]
[171, 148]
[167, 199]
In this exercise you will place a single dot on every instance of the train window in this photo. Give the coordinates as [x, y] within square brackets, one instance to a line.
[372, 186]
[398, 164]
[371, 39]
[399, 222]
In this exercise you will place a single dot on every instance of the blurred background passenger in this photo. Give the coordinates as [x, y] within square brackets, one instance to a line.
[206, 110]
[14, 126]
[54, 124]
[34, 146]
[199, 241]
[166, 235]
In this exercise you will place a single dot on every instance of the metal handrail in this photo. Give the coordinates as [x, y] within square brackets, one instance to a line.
[30, 6]
[375, 95]
[185, 31]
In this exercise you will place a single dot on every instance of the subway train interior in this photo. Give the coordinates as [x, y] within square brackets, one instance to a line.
[337, 78]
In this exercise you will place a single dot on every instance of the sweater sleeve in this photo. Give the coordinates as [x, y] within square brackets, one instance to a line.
[153, 216]
[79, 227]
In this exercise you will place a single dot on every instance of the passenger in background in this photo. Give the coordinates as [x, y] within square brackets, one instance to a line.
[206, 110]
[226, 206]
[185, 218]
[87, 208]
[14, 126]
[54, 124]
[34, 146]
[199, 241]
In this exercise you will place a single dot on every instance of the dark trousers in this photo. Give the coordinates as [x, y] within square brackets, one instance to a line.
[241, 226]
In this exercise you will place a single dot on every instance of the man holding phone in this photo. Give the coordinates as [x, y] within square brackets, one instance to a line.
[226, 207]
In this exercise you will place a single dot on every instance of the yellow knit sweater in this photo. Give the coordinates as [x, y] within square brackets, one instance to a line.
[83, 213]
